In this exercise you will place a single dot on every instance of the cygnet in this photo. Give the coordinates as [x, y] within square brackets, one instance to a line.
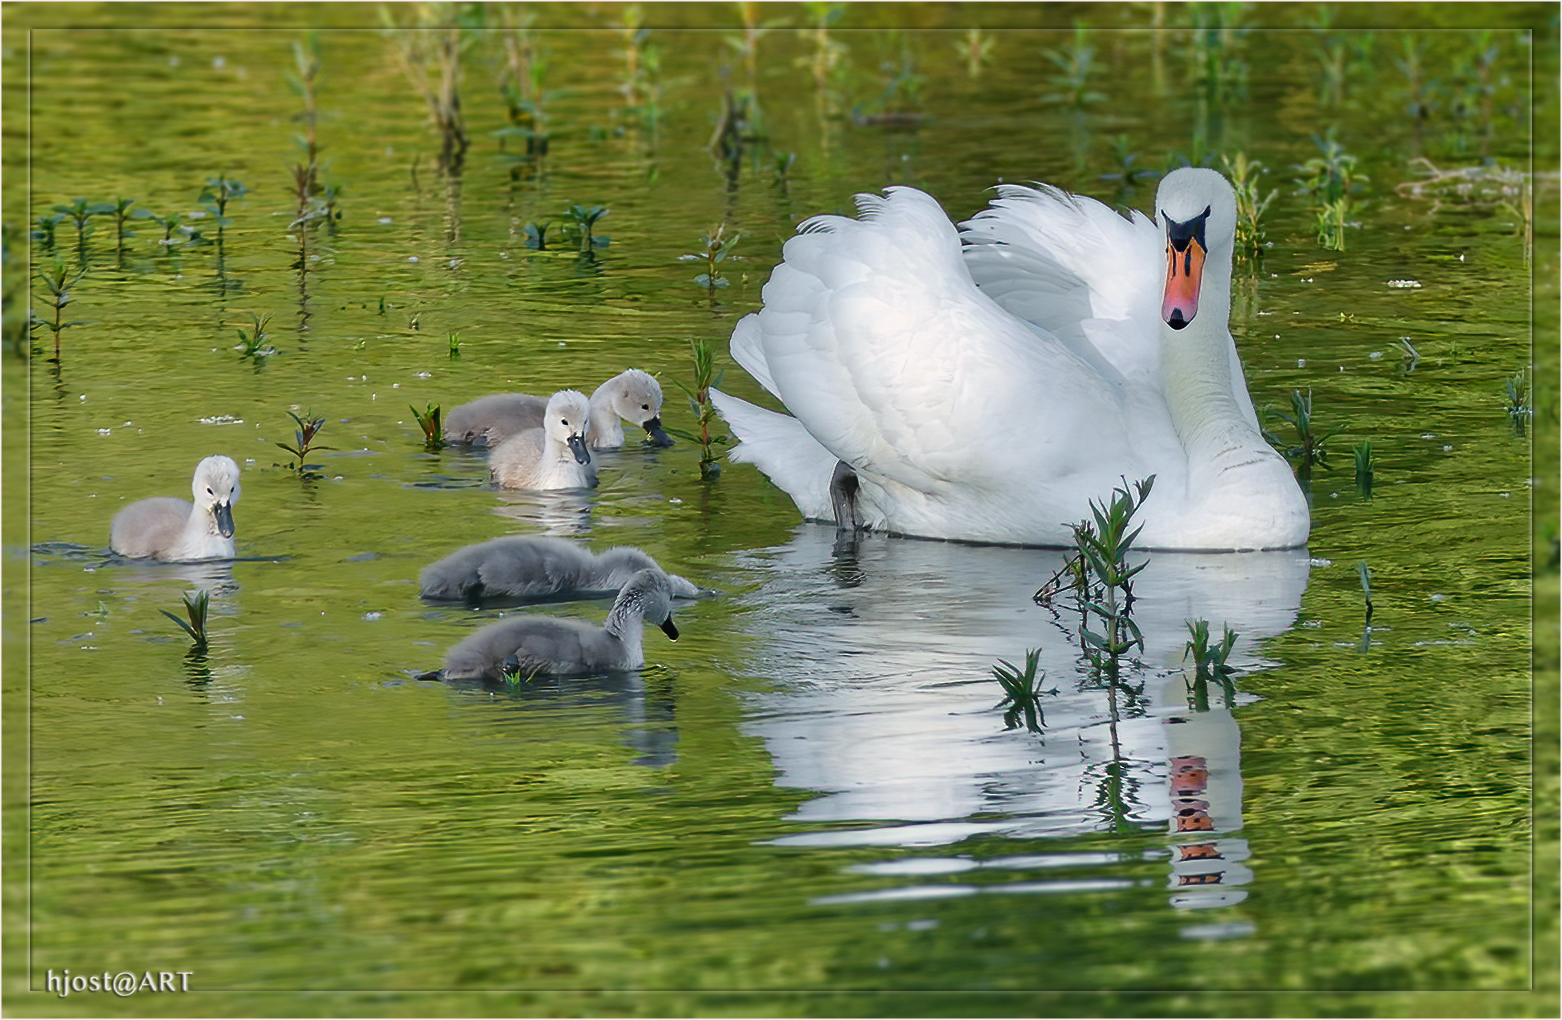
[554, 456]
[536, 567]
[528, 645]
[176, 530]
[631, 396]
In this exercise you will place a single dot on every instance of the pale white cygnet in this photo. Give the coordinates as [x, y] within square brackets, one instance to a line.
[176, 530]
[631, 396]
[554, 456]
[536, 566]
[528, 645]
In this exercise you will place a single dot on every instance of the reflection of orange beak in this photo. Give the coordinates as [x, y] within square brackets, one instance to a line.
[1184, 269]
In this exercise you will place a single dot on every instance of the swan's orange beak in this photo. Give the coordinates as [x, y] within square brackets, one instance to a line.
[1184, 270]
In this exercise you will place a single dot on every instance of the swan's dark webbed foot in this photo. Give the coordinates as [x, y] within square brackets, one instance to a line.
[843, 499]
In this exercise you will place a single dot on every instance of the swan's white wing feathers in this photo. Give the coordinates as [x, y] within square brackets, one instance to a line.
[879, 342]
[1059, 260]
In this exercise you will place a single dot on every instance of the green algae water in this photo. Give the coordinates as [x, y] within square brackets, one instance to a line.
[809, 804]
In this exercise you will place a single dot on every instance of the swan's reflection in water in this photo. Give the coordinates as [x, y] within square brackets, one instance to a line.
[884, 701]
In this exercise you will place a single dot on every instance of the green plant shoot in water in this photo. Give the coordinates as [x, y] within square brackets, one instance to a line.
[304, 437]
[706, 377]
[1311, 446]
[1209, 661]
[717, 246]
[429, 421]
[581, 222]
[1022, 692]
[1362, 452]
[58, 281]
[1250, 208]
[195, 607]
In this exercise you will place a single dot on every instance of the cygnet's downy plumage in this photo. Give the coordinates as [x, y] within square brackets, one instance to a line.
[554, 456]
[631, 396]
[536, 567]
[529, 645]
[176, 530]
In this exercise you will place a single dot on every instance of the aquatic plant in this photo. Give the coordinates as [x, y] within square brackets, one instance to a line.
[1362, 453]
[1022, 692]
[581, 222]
[782, 162]
[57, 281]
[1311, 445]
[706, 378]
[253, 344]
[429, 56]
[976, 48]
[196, 604]
[1128, 174]
[1329, 178]
[306, 64]
[641, 86]
[304, 444]
[537, 235]
[1520, 405]
[1215, 39]
[454, 338]
[521, 84]
[1408, 355]
[214, 198]
[1244, 174]
[716, 247]
[826, 63]
[1104, 543]
[1209, 661]
[899, 105]
[1365, 574]
[122, 212]
[80, 213]
[44, 229]
[429, 421]
[1072, 83]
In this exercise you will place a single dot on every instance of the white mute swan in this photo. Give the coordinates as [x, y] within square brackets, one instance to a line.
[632, 396]
[536, 566]
[554, 456]
[176, 530]
[987, 392]
[528, 645]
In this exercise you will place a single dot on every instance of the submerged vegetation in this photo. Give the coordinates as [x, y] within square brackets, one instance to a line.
[706, 420]
[1311, 445]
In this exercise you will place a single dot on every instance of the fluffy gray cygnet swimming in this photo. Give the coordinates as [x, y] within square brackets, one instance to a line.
[529, 645]
[554, 456]
[631, 396]
[535, 566]
[176, 530]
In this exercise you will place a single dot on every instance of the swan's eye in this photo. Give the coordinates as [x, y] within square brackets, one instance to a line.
[645, 407]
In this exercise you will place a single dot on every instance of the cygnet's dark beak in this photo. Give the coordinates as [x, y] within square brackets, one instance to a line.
[653, 428]
[577, 446]
[223, 512]
[669, 628]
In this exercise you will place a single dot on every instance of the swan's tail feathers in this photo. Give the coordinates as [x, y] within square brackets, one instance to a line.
[748, 350]
[779, 446]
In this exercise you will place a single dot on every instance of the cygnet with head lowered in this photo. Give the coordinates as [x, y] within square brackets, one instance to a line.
[631, 396]
[554, 456]
[529, 645]
[176, 530]
[536, 567]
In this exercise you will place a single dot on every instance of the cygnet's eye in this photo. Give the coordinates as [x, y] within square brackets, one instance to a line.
[209, 491]
[645, 407]
[563, 421]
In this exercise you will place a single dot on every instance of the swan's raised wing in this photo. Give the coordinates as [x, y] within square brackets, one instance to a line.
[878, 341]
[1061, 260]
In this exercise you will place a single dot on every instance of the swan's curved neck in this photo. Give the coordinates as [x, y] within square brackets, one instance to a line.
[625, 622]
[604, 420]
[1197, 364]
